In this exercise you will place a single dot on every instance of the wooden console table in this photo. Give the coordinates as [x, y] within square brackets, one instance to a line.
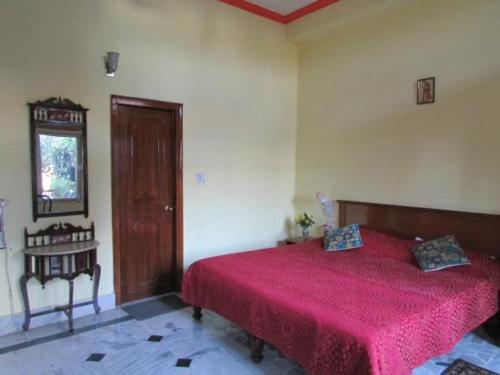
[61, 251]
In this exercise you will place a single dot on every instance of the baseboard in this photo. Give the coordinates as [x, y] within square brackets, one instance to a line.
[150, 298]
[106, 302]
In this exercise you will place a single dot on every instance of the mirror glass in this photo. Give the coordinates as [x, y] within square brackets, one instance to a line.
[59, 170]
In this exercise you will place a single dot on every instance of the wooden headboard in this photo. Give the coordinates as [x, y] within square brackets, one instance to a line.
[474, 231]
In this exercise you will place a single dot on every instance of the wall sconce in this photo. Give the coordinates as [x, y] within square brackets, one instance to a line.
[111, 61]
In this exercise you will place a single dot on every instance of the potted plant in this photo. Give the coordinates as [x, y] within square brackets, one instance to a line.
[305, 221]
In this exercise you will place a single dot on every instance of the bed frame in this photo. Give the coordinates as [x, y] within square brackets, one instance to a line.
[475, 231]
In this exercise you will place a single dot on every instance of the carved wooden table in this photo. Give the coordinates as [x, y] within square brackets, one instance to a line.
[64, 252]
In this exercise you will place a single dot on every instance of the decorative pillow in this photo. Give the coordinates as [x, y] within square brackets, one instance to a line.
[439, 254]
[345, 238]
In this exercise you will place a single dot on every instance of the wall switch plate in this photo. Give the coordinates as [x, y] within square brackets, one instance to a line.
[201, 178]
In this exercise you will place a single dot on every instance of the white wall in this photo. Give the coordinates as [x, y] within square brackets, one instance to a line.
[235, 74]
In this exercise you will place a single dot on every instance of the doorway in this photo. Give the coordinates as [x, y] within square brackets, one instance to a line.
[146, 150]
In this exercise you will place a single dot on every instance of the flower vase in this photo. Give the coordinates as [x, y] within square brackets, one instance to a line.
[305, 233]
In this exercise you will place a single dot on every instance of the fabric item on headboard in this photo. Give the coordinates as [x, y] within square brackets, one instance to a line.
[439, 254]
[345, 238]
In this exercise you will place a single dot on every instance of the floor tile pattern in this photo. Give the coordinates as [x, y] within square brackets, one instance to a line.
[212, 346]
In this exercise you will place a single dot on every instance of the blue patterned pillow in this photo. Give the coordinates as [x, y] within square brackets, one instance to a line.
[439, 254]
[345, 238]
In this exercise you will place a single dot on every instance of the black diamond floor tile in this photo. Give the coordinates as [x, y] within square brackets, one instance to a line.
[95, 357]
[183, 362]
[155, 338]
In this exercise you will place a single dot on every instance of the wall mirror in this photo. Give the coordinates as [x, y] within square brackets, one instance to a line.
[58, 158]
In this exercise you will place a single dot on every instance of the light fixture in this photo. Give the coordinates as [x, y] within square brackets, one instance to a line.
[111, 60]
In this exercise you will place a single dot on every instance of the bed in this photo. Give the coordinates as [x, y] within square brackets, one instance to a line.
[364, 311]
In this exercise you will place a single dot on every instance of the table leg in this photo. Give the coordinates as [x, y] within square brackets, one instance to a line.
[70, 306]
[27, 311]
[97, 278]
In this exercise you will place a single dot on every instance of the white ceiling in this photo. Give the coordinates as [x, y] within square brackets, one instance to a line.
[283, 7]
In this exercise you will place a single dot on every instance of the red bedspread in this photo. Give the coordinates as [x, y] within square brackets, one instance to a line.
[363, 311]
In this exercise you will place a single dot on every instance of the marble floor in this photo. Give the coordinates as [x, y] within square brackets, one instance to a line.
[172, 343]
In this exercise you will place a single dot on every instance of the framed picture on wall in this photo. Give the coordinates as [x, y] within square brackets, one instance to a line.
[426, 90]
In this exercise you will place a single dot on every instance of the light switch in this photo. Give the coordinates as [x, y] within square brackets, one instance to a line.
[201, 178]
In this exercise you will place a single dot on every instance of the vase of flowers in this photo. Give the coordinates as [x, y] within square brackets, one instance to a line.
[305, 221]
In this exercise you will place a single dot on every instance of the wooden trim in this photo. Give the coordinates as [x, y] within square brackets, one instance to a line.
[275, 16]
[475, 231]
[34, 174]
[85, 163]
[179, 198]
[177, 110]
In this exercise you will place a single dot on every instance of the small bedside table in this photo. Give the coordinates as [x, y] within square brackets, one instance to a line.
[295, 240]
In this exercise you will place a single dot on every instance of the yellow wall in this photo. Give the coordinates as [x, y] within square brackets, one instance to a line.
[235, 74]
[361, 135]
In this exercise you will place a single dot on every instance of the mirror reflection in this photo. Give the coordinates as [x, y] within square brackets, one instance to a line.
[59, 158]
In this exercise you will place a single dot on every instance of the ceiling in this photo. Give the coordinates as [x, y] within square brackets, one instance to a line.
[283, 11]
[282, 7]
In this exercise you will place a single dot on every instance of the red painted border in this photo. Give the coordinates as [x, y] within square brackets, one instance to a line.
[284, 19]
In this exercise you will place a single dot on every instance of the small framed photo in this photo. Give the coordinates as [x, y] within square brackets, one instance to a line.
[426, 90]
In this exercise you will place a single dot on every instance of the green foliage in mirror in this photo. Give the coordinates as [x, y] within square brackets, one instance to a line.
[59, 156]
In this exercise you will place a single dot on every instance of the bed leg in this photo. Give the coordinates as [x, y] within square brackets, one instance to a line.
[256, 346]
[492, 328]
[197, 315]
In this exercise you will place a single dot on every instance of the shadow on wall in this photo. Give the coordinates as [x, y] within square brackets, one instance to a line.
[290, 227]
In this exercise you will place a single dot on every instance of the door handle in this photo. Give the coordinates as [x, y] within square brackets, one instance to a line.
[168, 208]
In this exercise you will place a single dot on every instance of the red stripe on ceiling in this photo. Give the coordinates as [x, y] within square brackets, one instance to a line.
[269, 14]
[255, 9]
[308, 9]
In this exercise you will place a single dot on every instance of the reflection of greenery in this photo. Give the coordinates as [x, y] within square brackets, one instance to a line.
[59, 166]
[63, 188]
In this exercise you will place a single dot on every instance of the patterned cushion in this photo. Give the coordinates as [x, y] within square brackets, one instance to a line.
[440, 254]
[342, 238]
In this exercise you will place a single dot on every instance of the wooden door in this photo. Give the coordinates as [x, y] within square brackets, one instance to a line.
[146, 163]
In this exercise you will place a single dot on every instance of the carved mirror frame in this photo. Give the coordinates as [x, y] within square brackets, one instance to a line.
[55, 115]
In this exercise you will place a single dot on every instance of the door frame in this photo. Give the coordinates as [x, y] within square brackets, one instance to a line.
[116, 101]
